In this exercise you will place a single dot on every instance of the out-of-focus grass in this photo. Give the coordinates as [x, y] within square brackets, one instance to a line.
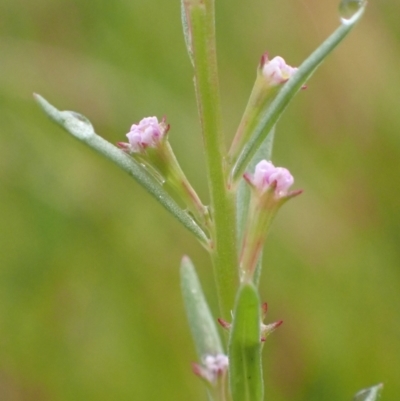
[90, 307]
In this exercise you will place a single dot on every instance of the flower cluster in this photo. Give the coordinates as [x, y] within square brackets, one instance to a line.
[148, 133]
[276, 71]
[266, 175]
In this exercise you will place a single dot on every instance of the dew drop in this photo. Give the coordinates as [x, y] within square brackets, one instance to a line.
[77, 124]
[80, 117]
[348, 9]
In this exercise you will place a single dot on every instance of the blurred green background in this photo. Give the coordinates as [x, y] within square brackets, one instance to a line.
[90, 306]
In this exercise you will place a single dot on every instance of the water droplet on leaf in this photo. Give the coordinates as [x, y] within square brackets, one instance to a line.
[78, 124]
[349, 8]
[80, 117]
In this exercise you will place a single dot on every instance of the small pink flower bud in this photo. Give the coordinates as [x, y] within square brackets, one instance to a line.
[216, 364]
[284, 180]
[271, 74]
[261, 174]
[267, 175]
[270, 190]
[148, 133]
[276, 71]
[213, 366]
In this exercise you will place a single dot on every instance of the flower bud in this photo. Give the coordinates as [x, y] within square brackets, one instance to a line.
[270, 186]
[267, 175]
[148, 144]
[148, 133]
[276, 71]
[212, 367]
[271, 75]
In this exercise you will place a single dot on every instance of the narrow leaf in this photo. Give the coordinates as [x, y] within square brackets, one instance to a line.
[288, 91]
[201, 322]
[81, 128]
[245, 369]
[369, 394]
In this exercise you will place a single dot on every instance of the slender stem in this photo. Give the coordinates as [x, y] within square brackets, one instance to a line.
[224, 253]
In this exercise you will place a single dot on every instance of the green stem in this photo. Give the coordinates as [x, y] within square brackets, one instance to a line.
[200, 15]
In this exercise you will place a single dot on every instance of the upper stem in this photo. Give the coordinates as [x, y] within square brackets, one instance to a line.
[200, 15]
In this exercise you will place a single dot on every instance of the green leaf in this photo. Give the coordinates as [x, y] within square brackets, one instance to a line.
[245, 369]
[81, 128]
[201, 322]
[369, 394]
[271, 115]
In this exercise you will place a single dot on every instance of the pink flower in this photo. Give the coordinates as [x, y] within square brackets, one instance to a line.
[266, 174]
[148, 133]
[276, 71]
